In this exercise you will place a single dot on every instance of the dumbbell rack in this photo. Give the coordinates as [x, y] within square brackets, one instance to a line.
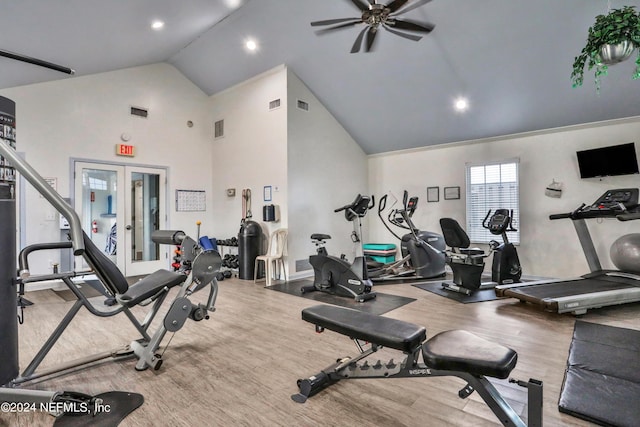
[229, 259]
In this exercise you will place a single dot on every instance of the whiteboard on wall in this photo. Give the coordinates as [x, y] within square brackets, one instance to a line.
[190, 201]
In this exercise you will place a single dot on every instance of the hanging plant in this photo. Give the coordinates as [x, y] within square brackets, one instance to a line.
[619, 32]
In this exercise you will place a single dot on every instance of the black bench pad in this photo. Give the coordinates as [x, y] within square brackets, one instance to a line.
[463, 351]
[150, 285]
[378, 330]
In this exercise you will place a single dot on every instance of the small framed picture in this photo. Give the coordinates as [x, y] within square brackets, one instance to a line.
[267, 193]
[433, 194]
[451, 193]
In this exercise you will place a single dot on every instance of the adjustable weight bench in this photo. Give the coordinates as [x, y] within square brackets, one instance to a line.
[452, 353]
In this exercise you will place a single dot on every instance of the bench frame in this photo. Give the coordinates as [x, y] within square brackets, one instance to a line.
[410, 367]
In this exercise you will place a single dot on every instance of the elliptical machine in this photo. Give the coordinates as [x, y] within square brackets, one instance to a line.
[335, 275]
[423, 252]
[505, 268]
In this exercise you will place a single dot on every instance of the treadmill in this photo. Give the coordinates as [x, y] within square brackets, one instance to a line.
[599, 287]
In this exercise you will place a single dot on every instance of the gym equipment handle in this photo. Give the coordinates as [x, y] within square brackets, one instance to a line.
[34, 178]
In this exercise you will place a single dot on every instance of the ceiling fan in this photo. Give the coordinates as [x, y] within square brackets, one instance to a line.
[376, 15]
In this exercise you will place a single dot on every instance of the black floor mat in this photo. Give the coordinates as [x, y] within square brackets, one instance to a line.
[381, 304]
[478, 296]
[116, 406]
[602, 380]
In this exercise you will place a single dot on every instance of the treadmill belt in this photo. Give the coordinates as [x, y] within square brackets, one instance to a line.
[568, 288]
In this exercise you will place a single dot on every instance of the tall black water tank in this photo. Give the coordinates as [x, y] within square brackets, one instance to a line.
[249, 247]
[8, 295]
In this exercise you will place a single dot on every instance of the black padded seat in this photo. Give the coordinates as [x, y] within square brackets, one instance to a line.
[151, 285]
[463, 351]
[470, 251]
[318, 236]
[378, 330]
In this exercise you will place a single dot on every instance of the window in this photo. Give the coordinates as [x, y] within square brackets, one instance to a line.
[492, 186]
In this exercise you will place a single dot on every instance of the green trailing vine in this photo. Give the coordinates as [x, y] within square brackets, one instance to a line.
[615, 27]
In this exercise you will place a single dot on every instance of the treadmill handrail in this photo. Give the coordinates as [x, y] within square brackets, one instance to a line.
[48, 193]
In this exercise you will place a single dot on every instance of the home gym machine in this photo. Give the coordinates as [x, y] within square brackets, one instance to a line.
[422, 251]
[598, 288]
[335, 275]
[152, 290]
[467, 263]
[452, 353]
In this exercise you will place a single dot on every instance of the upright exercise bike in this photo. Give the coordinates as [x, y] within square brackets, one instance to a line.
[505, 268]
[335, 275]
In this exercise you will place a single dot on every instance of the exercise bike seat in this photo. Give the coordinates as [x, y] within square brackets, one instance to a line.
[320, 237]
[463, 351]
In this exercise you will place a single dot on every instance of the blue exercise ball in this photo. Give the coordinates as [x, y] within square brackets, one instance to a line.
[625, 253]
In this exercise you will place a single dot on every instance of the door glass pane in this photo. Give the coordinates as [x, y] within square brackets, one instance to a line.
[145, 218]
[99, 189]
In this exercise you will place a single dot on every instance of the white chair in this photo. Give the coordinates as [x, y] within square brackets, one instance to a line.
[274, 256]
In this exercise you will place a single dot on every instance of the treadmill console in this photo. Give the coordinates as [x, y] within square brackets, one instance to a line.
[611, 204]
[615, 201]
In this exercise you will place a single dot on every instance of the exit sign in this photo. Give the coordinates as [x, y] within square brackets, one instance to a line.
[125, 150]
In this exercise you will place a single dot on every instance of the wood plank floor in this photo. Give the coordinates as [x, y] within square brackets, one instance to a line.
[240, 367]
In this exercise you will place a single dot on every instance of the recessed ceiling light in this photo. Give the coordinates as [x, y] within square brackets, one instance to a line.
[461, 104]
[251, 45]
[157, 25]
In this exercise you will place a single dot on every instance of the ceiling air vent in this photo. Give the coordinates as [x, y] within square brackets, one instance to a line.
[218, 129]
[303, 105]
[274, 104]
[140, 112]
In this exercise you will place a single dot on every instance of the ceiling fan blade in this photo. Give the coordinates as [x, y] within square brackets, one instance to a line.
[358, 42]
[412, 6]
[405, 35]
[371, 36]
[333, 21]
[337, 27]
[362, 6]
[395, 5]
[403, 24]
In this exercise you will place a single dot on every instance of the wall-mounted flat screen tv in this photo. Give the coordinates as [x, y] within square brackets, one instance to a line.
[608, 161]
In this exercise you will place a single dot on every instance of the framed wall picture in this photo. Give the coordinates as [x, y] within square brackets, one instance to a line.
[451, 193]
[433, 194]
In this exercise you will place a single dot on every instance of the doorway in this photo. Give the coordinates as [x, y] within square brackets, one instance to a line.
[119, 207]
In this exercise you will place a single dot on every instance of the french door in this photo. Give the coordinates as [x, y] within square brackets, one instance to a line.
[120, 206]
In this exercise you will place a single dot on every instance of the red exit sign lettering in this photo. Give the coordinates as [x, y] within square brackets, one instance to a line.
[125, 150]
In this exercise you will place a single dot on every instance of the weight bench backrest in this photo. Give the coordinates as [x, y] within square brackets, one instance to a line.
[454, 235]
[105, 269]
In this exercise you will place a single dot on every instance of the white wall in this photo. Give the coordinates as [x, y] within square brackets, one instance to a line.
[252, 154]
[548, 248]
[83, 117]
[327, 169]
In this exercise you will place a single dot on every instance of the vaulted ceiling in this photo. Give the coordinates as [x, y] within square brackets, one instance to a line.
[512, 59]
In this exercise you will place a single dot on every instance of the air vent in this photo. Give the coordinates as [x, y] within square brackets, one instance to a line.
[274, 104]
[218, 129]
[303, 105]
[140, 112]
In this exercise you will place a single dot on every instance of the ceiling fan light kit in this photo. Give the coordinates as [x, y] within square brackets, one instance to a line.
[612, 39]
[376, 15]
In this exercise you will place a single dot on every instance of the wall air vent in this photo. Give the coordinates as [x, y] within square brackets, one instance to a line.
[303, 105]
[218, 129]
[274, 104]
[140, 112]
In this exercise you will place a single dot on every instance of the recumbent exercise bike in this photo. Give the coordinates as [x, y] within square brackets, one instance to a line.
[467, 263]
[335, 275]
